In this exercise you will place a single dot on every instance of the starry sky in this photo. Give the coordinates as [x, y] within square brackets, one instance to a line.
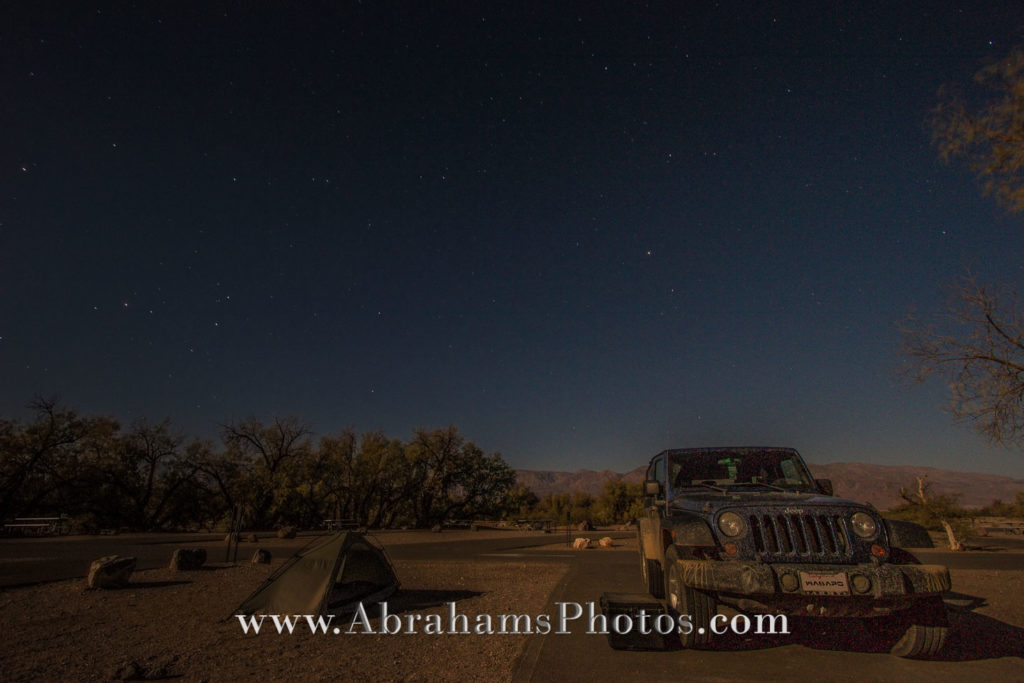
[580, 232]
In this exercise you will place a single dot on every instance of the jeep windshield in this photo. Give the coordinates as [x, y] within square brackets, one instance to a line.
[727, 469]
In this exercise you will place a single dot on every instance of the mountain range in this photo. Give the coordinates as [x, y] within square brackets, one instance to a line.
[875, 484]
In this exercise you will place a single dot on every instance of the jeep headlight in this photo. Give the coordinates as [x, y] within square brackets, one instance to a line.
[731, 524]
[863, 525]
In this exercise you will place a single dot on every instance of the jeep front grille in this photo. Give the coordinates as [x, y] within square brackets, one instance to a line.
[801, 537]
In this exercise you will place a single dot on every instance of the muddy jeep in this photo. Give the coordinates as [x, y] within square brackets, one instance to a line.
[750, 528]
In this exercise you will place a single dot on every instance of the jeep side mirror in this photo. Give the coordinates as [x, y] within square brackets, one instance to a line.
[652, 488]
[825, 486]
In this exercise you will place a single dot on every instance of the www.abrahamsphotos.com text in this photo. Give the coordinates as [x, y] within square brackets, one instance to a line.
[567, 615]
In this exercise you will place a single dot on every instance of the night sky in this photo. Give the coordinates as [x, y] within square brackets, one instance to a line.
[582, 233]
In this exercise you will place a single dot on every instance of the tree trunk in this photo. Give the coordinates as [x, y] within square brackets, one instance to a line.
[954, 543]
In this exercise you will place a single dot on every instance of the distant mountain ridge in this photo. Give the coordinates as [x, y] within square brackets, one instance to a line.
[875, 484]
[543, 482]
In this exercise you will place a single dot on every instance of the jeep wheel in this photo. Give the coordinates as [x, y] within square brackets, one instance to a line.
[698, 605]
[927, 626]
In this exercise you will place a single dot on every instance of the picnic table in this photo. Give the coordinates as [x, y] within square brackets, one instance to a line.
[37, 526]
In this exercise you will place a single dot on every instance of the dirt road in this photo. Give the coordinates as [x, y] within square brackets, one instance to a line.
[986, 611]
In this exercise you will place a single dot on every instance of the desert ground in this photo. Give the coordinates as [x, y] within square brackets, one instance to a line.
[174, 624]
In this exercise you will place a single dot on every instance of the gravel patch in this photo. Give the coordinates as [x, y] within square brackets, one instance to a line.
[178, 624]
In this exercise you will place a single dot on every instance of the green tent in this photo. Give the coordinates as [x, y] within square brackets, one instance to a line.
[331, 576]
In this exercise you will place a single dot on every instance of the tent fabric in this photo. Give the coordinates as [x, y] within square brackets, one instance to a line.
[337, 573]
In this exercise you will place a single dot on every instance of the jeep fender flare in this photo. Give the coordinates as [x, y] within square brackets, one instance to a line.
[691, 531]
[906, 534]
[682, 530]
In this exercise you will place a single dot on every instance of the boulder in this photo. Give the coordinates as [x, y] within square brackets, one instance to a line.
[436, 528]
[585, 526]
[111, 571]
[261, 556]
[286, 532]
[188, 558]
[581, 544]
[605, 542]
[252, 538]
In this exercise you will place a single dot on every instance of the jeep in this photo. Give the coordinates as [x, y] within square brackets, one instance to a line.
[751, 529]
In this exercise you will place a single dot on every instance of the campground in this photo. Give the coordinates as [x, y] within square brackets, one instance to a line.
[175, 624]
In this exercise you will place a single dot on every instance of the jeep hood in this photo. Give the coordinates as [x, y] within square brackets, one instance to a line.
[713, 500]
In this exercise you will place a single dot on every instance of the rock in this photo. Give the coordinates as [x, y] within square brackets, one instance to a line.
[436, 528]
[252, 538]
[581, 544]
[605, 542]
[111, 571]
[128, 670]
[131, 670]
[188, 558]
[261, 556]
[286, 532]
[585, 526]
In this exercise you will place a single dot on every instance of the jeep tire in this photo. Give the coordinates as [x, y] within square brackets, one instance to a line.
[698, 605]
[926, 627]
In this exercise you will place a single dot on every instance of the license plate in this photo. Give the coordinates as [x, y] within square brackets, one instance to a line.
[819, 583]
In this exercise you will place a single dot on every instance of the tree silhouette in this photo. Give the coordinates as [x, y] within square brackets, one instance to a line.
[977, 343]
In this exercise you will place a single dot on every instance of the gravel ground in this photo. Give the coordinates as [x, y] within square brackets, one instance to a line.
[169, 624]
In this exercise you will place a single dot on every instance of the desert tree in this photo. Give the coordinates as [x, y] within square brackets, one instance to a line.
[260, 465]
[977, 345]
[366, 479]
[620, 502]
[519, 502]
[933, 509]
[335, 455]
[272, 445]
[483, 481]
[151, 472]
[34, 455]
[222, 473]
[51, 463]
[989, 135]
[452, 476]
[384, 481]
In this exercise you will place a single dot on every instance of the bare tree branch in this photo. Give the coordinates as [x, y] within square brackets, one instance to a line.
[974, 345]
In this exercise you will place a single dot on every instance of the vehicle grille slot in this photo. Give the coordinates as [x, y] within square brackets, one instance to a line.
[796, 529]
[828, 535]
[811, 534]
[800, 537]
[758, 534]
[781, 532]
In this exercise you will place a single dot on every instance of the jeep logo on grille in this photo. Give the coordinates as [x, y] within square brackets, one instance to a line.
[792, 511]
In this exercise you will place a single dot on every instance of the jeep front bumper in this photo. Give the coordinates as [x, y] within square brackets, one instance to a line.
[863, 589]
